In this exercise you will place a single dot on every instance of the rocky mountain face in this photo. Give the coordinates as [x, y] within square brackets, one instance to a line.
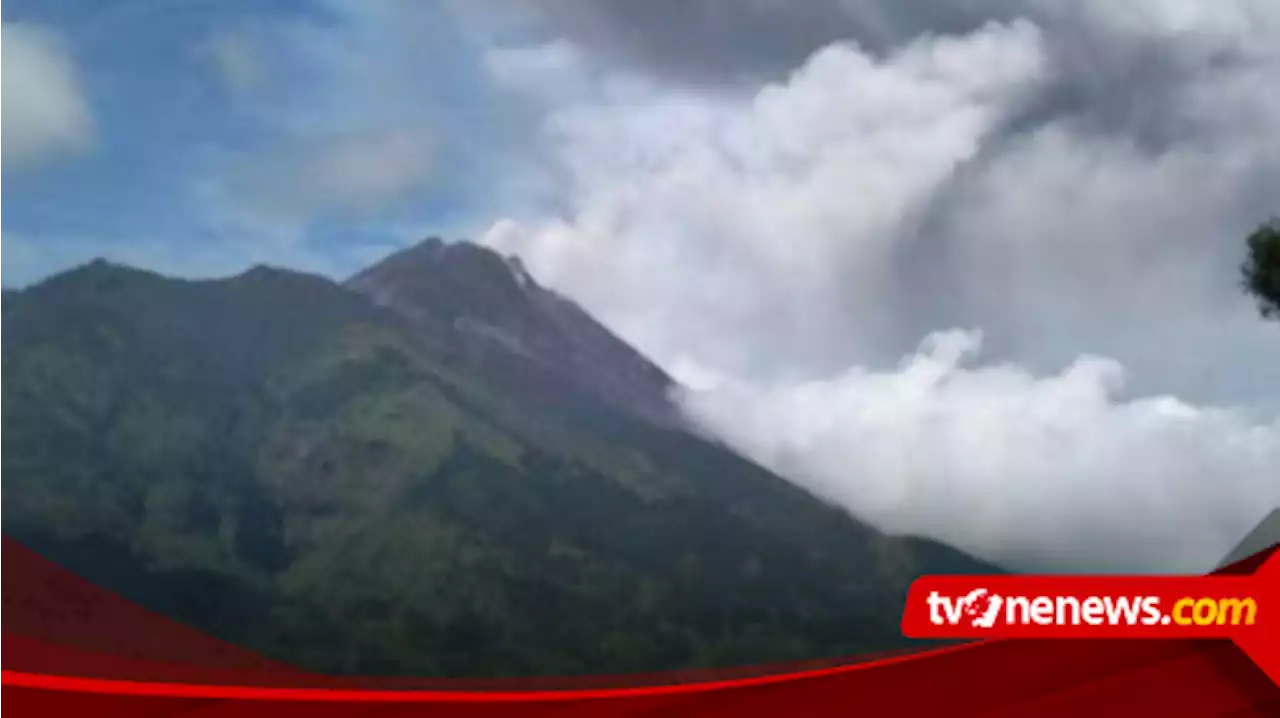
[438, 468]
[489, 303]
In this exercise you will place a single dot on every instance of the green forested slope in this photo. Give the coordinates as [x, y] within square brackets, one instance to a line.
[279, 461]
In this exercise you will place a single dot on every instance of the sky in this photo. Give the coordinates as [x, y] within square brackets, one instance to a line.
[968, 269]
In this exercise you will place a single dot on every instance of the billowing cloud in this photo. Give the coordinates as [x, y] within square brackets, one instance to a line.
[711, 42]
[760, 220]
[46, 113]
[1051, 472]
[1074, 184]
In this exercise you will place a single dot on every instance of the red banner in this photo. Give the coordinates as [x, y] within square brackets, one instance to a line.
[71, 648]
[1245, 609]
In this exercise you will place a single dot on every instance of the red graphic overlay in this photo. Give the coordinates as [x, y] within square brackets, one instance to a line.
[1244, 609]
[74, 649]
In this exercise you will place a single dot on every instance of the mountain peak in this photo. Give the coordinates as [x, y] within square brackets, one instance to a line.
[270, 273]
[464, 255]
[491, 303]
[462, 259]
[98, 274]
[100, 265]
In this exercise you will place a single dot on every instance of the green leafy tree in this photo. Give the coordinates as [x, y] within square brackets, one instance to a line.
[1262, 268]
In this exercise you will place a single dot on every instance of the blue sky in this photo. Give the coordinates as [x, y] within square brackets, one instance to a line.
[221, 134]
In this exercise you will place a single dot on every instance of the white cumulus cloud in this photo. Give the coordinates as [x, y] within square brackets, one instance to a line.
[1052, 472]
[45, 110]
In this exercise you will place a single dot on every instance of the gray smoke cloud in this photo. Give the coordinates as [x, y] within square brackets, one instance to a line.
[1062, 186]
[714, 42]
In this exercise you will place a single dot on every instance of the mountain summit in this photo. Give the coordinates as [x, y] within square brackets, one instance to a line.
[490, 303]
[440, 468]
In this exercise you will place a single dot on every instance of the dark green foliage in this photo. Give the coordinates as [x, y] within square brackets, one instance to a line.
[278, 461]
[1261, 268]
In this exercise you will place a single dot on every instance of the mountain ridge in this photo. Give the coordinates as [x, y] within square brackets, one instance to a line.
[281, 461]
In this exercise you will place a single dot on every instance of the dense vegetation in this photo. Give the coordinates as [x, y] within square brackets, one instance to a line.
[1262, 268]
[281, 462]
